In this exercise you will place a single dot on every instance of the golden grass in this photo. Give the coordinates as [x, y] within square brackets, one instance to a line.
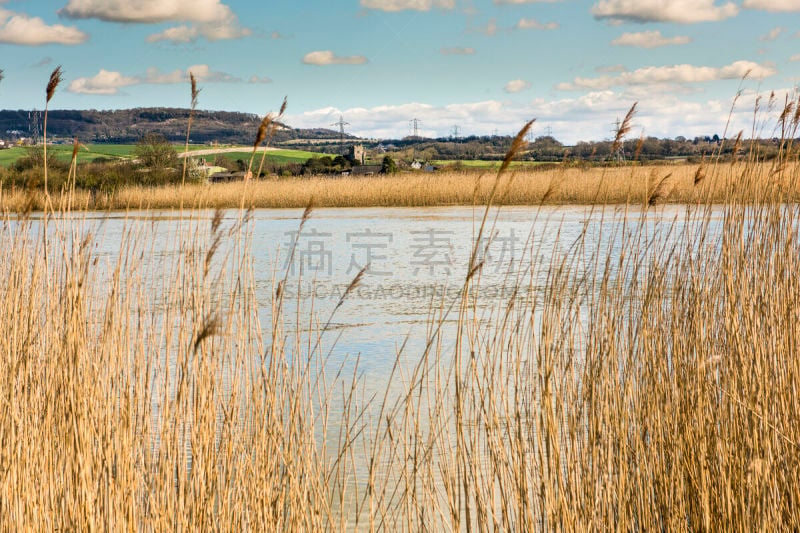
[649, 384]
[656, 390]
[616, 185]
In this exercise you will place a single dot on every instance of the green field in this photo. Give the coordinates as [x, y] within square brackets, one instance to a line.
[275, 156]
[90, 152]
[87, 153]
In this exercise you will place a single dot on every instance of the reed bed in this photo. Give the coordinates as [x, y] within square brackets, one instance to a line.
[649, 384]
[568, 186]
[651, 388]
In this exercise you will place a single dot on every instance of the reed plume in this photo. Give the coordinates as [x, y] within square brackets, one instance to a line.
[623, 129]
[195, 94]
[55, 79]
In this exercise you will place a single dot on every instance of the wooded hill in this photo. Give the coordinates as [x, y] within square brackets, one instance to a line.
[130, 125]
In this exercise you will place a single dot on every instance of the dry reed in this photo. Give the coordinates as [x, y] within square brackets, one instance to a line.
[649, 383]
[568, 186]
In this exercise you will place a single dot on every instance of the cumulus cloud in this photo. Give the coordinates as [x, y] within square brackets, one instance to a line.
[327, 57]
[209, 19]
[676, 74]
[533, 24]
[773, 34]
[584, 117]
[19, 28]
[104, 82]
[458, 51]
[211, 32]
[205, 74]
[403, 5]
[515, 86]
[680, 11]
[108, 82]
[148, 11]
[156, 76]
[772, 5]
[648, 39]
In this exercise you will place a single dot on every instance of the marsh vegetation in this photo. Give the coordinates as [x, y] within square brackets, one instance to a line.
[646, 382]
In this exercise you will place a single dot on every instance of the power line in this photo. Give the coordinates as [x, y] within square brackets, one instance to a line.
[456, 130]
[341, 125]
[415, 124]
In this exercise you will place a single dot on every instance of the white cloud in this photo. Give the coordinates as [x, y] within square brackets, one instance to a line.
[205, 74]
[326, 57]
[212, 32]
[154, 75]
[148, 11]
[104, 82]
[584, 117]
[515, 86]
[19, 28]
[209, 19]
[773, 34]
[178, 34]
[795, 57]
[533, 24]
[772, 5]
[648, 39]
[259, 79]
[108, 82]
[676, 74]
[681, 11]
[458, 51]
[402, 5]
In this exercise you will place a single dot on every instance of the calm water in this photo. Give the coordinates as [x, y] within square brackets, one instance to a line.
[416, 261]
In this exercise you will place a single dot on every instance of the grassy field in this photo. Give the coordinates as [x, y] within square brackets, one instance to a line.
[90, 152]
[276, 156]
[87, 153]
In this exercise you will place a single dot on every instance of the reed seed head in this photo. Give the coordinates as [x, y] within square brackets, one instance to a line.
[55, 80]
[624, 128]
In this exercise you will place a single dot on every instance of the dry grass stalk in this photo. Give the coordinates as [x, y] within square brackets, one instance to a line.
[647, 380]
[700, 173]
[660, 191]
[602, 363]
[194, 96]
[623, 129]
[52, 84]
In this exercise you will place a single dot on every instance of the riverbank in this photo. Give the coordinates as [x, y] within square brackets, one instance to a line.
[567, 186]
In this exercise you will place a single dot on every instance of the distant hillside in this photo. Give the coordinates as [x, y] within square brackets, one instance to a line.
[129, 125]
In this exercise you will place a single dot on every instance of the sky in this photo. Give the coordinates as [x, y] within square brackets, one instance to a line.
[695, 67]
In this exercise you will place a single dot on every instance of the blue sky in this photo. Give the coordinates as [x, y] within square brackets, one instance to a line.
[484, 65]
